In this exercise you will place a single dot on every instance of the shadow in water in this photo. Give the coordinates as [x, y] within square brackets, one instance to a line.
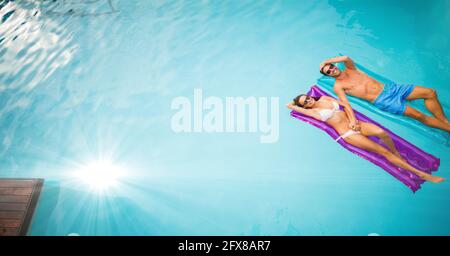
[70, 208]
[47, 203]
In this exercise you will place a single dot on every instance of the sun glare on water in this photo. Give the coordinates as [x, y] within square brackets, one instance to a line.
[100, 175]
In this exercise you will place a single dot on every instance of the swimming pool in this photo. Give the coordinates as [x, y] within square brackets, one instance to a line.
[88, 86]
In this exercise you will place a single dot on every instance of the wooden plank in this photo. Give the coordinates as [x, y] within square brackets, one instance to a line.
[12, 207]
[10, 223]
[39, 183]
[14, 199]
[16, 191]
[10, 183]
[18, 200]
[9, 231]
[12, 214]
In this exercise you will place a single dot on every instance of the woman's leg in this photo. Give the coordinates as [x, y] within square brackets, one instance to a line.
[363, 142]
[368, 129]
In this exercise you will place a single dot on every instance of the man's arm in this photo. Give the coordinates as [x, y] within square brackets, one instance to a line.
[347, 61]
[339, 90]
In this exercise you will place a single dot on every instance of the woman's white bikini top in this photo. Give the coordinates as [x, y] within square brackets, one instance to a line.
[326, 114]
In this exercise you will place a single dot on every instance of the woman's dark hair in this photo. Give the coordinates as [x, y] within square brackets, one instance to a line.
[296, 99]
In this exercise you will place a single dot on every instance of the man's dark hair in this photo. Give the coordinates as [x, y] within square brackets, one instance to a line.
[321, 70]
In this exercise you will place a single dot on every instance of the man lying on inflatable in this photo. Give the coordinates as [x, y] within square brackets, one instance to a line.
[388, 97]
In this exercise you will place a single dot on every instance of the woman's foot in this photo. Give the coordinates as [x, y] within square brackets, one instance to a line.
[431, 178]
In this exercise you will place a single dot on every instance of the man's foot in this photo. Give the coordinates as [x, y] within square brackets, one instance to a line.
[444, 120]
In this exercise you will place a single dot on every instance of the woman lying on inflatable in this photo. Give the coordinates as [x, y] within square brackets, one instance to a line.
[326, 109]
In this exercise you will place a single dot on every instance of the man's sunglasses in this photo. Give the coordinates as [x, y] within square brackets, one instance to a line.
[331, 67]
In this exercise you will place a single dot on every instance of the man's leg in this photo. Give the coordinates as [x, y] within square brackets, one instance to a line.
[431, 101]
[428, 120]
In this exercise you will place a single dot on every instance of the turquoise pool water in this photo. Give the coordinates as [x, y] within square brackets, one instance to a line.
[88, 85]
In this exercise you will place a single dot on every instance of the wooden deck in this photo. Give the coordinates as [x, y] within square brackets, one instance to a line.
[18, 199]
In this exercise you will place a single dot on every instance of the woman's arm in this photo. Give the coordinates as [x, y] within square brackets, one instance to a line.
[354, 123]
[307, 112]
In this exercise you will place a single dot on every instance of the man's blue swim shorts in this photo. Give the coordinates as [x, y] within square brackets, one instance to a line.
[393, 98]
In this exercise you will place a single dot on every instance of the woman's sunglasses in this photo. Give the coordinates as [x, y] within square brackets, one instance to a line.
[306, 101]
